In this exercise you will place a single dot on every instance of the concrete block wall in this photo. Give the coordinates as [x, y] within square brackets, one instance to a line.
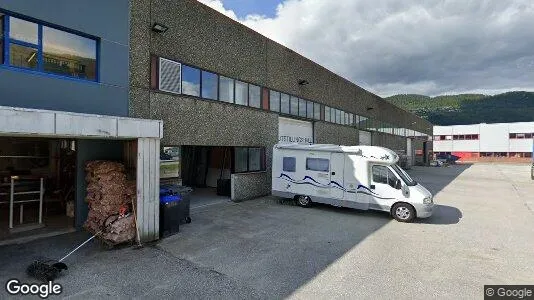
[328, 133]
[206, 39]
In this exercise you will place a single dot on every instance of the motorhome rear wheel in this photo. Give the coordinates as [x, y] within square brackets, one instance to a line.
[304, 201]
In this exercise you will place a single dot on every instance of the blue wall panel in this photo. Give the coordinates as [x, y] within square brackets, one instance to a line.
[104, 19]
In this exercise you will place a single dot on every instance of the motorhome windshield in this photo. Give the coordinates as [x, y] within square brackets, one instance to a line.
[405, 177]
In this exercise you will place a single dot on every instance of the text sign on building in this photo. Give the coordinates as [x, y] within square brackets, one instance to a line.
[294, 131]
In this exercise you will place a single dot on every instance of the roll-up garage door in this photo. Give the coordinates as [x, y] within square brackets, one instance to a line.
[294, 131]
[365, 138]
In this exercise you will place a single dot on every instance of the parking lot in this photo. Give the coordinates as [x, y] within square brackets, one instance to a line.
[482, 233]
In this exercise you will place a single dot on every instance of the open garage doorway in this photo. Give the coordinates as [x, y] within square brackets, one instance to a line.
[208, 171]
[37, 186]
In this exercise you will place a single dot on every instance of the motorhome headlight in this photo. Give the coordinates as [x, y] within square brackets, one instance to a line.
[427, 200]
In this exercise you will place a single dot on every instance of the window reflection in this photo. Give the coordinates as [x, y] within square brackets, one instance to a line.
[190, 81]
[209, 85]
[241, 92]
[327, 113]
[254, 96]
[294, 106]
[274, 101]
[24, 57]
[309, 110]
[226, 89]
[254, 159]
[23, 30]
[69, 54]
[317, 111]
[302, 108]
[1, 38]
[241, 160]
[333, 115]
[284, 103]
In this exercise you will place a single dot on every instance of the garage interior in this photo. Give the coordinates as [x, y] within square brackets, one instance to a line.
[39, 174]
[208, 171]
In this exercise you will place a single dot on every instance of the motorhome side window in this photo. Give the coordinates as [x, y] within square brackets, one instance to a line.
[289, 164]
[317, 164]
[382, 174]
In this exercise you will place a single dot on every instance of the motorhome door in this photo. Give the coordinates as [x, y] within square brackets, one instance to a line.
[383, 187]
[337, 164]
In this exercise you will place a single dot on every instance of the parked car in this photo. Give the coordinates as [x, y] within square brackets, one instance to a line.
[448, 158]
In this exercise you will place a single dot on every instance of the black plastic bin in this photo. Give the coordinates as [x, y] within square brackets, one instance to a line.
[169, 222]
[184, 202]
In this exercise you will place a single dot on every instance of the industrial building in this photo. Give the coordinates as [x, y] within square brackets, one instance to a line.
[174, 90]
[227, 94]
[503, 142]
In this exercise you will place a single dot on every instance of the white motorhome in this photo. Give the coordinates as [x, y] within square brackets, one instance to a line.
[360, 177]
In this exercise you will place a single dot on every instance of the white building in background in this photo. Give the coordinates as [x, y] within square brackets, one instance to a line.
[486, 142]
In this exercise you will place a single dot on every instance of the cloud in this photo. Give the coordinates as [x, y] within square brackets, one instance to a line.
[412, 46]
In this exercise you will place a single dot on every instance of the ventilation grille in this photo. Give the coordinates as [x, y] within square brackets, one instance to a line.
[169, 76]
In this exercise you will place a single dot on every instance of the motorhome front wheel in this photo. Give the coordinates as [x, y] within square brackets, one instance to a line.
[403, 212]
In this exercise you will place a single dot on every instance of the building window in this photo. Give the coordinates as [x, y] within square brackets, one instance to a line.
[289, 164]
[316, 111]
[338, 116]
[1, 38]
[23, 30]
[209, 85]
[254, 96]
[284, 103]
[34, 46]
[241, 93]
[249, 159]
[22, 56]
[333, 115]
[76, 54]
[512, 135]
[317, 164]
[274, 101]
[309, 110]
[351, 119]
[327, 113]
[226, 89]
[294, 110]
[254, 159]
[190, 81]
[302, 108]
[241, 160]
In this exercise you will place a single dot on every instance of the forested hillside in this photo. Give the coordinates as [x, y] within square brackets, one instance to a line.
[469, 108]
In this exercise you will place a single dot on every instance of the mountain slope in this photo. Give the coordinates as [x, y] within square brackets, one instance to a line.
[469, 108]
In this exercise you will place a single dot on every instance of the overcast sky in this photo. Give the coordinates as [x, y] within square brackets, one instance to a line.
[430, 47]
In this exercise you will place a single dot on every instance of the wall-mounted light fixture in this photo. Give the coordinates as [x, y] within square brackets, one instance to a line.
[369, 108]
[303, 82]
[159, 28]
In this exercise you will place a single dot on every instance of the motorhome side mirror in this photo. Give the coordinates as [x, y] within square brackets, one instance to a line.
[398, 184]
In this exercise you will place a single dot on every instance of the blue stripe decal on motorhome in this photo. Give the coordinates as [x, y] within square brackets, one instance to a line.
[329, 185]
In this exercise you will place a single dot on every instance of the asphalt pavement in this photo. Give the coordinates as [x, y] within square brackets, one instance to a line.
[482, 233]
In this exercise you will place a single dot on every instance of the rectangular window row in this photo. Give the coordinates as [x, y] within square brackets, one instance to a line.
[248, 159]
[176, 77]
[455, 137]
[289, 164]
[32, 46]
[521, 135]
